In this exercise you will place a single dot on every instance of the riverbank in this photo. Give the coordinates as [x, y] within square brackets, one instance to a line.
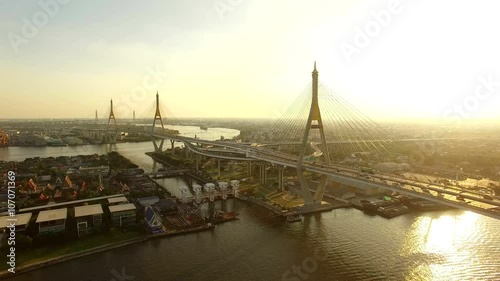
[42, 257]
[110, 246]
[298, 210]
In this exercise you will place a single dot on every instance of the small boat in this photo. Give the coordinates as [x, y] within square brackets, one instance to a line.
[294, 218]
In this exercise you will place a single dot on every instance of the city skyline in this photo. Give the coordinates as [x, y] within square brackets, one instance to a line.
[234, 59]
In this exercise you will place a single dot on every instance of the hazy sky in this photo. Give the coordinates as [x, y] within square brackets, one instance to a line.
[246, 58]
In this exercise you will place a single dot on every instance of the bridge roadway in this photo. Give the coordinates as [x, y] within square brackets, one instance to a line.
[447, 195]
[354, 140]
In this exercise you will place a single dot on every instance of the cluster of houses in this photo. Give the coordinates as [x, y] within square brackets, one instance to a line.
[51, 171]
[88, 217]
[134, 179]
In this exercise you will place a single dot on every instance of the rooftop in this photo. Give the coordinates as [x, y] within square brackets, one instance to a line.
[117, 200]
[122, 207]
[149, 214]
[89, 210]
[22, 219]
[74, 202]
[52, 215]
[146, 201]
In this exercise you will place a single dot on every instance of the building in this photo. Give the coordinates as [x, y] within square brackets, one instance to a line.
[73, 141]
[123, 215]
[148, 201]
[165, 206]
[94, 171]
[52, 220]
[117, 200]
[88, 218]
[21, 221]
[152, 220]
[53, 141]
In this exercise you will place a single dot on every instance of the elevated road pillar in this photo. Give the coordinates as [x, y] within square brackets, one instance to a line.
[263, 174]
[249, 168]
[281, 173]
[172, 142]
[218, 168]
[197, 162]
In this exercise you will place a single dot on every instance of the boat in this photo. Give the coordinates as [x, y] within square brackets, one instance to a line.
[294, 218]
[204, 127]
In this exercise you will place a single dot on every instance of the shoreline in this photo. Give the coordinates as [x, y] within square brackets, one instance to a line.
[37, 265]
[146, 237]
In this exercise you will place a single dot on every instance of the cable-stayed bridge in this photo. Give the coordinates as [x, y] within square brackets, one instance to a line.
[335, 141]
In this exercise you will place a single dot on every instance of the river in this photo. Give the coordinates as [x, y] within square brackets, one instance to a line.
[343, 244]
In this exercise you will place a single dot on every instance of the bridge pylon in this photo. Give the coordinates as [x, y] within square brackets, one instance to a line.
[110, 136]
[158, 147]
[313, 122]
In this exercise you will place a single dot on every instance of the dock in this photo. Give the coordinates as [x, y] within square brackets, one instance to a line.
[167, 173]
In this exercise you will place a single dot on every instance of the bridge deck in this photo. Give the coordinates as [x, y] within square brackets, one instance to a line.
[433, 192]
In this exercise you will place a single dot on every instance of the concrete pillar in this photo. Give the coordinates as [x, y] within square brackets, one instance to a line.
[218, 168]
[235, 184]
[197, 162]
[197, 193]
[158, 148]
[263, 174]
[281, 173]
[210, 189]
[223, 189]
[184, 190]
[249, 168]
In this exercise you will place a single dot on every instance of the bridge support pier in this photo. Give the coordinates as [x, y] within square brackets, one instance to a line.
[172, 142]
[281, 173]
[158, 148]
[263, 175]
[314, 121]
[249, 168]
[197, 162]
[218, 168]
[318, 196]
[110, 137]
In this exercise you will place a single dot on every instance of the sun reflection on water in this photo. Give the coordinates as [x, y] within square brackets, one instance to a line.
[446, 240]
